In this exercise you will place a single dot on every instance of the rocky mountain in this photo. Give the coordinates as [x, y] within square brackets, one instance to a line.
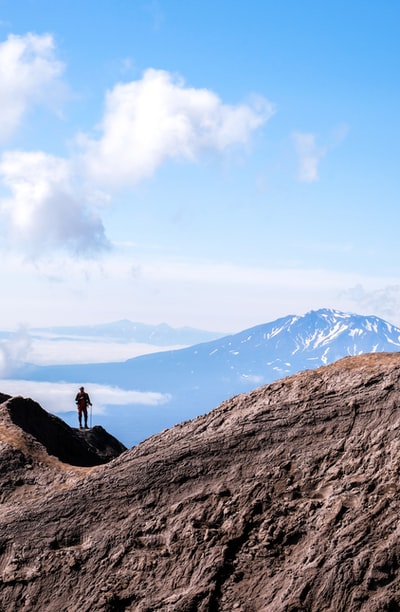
[80, 447]
[198, 378]
[283, 499]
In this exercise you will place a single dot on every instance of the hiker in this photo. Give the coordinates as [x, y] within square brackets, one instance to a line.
[82, 400]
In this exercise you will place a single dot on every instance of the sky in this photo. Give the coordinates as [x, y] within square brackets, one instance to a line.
[207, 164]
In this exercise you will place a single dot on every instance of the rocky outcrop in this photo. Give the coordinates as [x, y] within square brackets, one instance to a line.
[285, 499]
[83, 447]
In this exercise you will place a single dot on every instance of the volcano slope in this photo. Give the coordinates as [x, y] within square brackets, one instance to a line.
[283, 499]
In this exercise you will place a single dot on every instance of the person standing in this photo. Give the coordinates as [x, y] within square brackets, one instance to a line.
[82, 400]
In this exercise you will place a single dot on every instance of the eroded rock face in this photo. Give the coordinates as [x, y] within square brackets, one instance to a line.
[284, 499]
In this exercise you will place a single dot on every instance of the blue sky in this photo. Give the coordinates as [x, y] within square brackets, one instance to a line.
[211, 164]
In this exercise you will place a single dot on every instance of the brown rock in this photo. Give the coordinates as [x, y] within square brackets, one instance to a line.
[84, 447]
[284, 499]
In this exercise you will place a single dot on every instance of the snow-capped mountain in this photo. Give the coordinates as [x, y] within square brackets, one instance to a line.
[196, 379]
[317, 338]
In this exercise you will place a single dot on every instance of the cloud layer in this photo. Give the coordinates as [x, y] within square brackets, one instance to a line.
[59, 397]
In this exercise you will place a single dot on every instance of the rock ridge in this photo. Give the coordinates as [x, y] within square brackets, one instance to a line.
[80, 447]
[281, 500]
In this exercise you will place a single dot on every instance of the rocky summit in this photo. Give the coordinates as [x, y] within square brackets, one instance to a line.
[80, 447]
[280, 500]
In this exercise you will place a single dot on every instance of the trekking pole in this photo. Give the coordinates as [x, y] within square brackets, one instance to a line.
[90, 416]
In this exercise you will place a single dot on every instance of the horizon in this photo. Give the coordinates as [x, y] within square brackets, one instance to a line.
[207, 166]
[61, 346]
[147, 395]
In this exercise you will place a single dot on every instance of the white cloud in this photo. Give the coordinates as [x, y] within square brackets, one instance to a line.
[148, 121]
[383, 302]
[46, 209]
[13, 352]
[309, 156]
[60, 397]
[29, 72]
[53, 202]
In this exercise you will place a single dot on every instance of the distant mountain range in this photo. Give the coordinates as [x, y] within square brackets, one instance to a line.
[201, 376]
[128, 331]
